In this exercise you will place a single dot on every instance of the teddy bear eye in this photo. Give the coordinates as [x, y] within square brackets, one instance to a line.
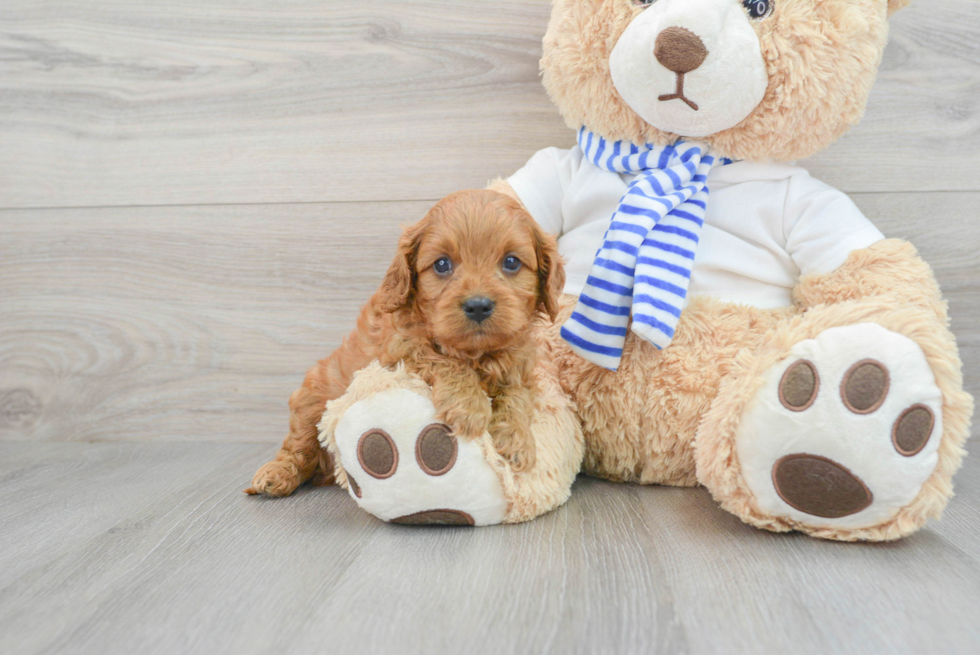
[443, 266]
[643, 3]
[511, 264]
[758, 9]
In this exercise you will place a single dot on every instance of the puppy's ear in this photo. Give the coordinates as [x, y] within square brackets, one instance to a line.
[398, 288]
[551, 271]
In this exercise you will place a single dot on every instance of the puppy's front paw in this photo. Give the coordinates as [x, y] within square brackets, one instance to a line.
[514, 443]
[468, 422]
[275, 479]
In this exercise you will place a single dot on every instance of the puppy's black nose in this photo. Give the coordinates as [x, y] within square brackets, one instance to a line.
[478, 308]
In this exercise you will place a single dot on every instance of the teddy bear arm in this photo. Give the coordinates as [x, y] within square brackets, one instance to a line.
[889, 268]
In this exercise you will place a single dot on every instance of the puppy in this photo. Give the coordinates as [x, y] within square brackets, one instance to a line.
[456, 306]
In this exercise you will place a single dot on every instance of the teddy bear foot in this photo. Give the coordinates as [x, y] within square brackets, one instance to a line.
[843, 432]
[404, 466]
[401, 464]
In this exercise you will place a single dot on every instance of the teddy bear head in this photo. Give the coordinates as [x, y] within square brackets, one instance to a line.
[755, 79]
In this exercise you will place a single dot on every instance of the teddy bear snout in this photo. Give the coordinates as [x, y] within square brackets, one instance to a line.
[690, 67]
[679, 50]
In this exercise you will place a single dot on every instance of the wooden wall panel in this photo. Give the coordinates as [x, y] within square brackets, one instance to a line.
[110, 103]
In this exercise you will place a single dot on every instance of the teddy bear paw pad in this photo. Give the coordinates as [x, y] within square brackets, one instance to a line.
[406, 467]
[844, 431]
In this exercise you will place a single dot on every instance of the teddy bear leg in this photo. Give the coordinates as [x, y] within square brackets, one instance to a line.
[847, 424]
[399, 463]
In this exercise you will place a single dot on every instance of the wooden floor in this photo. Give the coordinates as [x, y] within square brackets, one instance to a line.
[196, 197]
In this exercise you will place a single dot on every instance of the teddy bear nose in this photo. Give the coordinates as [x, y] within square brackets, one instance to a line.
[679, 50]
[478, 309]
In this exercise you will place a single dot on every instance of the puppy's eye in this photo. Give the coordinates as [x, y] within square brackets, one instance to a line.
[758, 9]
[511, 264]
[443, 266]
[643, 3]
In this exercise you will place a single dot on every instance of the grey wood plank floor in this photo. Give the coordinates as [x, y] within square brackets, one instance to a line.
[195, 199]
[162, 553]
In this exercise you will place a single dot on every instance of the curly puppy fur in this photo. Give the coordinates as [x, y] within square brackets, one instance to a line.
[417, 317]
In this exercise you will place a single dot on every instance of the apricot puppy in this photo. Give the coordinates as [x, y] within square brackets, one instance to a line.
[456, 306]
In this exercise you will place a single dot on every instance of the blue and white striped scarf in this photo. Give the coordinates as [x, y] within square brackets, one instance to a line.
[644, 265]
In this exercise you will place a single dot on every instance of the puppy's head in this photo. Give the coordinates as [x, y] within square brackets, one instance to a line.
[476, 270]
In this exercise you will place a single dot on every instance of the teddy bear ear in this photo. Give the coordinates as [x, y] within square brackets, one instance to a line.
[895, 5]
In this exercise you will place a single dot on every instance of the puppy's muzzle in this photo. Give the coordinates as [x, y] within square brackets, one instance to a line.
[478, 308]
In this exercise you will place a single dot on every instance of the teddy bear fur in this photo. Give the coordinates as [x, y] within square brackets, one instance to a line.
[821, 59]
[676, 416]
[669, 417]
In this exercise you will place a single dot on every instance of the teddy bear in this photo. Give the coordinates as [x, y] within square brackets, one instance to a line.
[727, 320]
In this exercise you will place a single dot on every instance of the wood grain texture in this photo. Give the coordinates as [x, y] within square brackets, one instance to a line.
[183, 306]
[186, 323]
[58, 496]
[265, 101]
[925, 107]
[109, 102]
[200, 568]
[181, 322]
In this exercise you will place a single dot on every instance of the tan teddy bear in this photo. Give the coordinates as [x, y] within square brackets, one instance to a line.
[729, 320]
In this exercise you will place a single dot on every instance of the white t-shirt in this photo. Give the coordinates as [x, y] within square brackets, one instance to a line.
[766, 225]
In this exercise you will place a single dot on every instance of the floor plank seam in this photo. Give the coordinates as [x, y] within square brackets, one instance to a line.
[386, 201]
